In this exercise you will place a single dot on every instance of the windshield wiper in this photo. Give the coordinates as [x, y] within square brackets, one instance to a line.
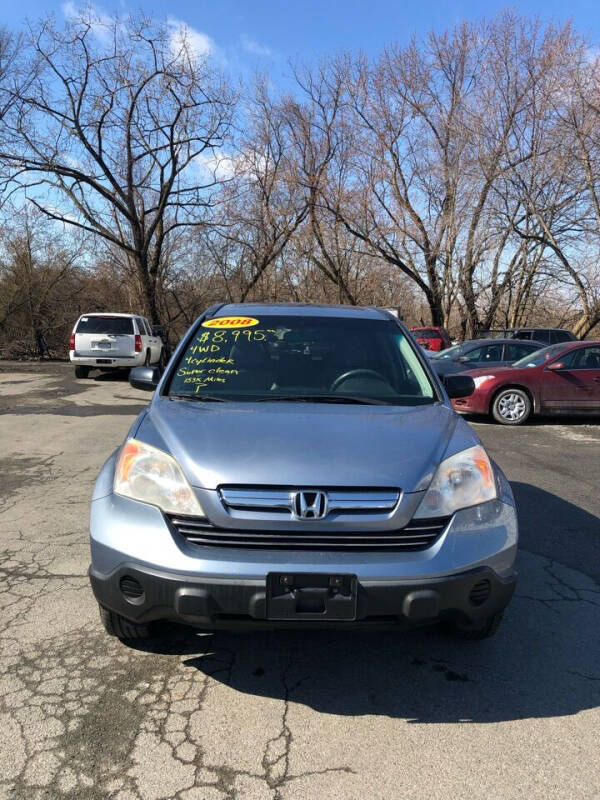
[321, 398]
[291, 398]
[209, 398]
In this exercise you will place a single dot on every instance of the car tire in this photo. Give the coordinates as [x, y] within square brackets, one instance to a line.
[511, 406]
[82, 372]
[480, 630]
[116, 625]
[162, 361]
[148, 358]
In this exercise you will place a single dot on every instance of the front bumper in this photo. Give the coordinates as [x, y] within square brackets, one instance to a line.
[219, 586]
[230, 602]
[477, 403]
[223, 587]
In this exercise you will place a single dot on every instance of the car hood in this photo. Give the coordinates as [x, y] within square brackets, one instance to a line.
[447, 367]
[300, 444]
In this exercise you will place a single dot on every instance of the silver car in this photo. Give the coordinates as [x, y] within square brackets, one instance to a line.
[301, 466]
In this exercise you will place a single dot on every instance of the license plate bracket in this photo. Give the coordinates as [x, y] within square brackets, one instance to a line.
[311, 596]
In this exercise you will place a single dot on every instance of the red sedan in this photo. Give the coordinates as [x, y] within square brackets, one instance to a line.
[432, 338]
[560, 379]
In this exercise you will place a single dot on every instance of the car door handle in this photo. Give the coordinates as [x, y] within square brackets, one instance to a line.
[597, 380]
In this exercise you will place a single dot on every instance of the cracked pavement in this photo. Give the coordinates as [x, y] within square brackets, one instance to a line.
[288, 714]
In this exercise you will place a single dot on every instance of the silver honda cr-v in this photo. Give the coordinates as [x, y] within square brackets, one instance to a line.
[301, 466]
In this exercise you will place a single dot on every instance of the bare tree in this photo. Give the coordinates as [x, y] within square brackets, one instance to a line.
[39, 281]
[109, 131]
[554, 193]
[263, 204]
[322, 143]
[581, 126]
[416, 148]
[457, 177]
[10, 44]
[10, 86]
[400, 193]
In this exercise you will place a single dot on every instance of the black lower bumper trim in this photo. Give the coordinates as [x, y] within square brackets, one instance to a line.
[224, 603]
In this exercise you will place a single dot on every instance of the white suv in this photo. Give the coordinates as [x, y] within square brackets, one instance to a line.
[110, 341]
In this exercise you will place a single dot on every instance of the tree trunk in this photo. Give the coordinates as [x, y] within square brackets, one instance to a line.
[586, 323]
[436, 309]
[148, 284]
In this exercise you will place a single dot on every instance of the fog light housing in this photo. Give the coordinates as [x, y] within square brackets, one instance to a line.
[480, 592]
[132, 590]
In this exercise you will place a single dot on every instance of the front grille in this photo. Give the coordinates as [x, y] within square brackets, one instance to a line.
[417, 535]
[279, 501]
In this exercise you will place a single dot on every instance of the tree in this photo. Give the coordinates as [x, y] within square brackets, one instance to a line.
[10, 45]
[6, 57]
[108, 131]
[427, 136]
[39, 283]
[557, 188]
[263, 204]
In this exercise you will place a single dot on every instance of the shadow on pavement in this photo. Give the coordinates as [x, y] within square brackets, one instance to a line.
[558, 529]
[119, 375]
[543, 662]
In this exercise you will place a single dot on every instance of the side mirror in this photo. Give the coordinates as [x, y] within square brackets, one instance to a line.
[145, 378]
[556, 365]
[458, 385]
[158, 330]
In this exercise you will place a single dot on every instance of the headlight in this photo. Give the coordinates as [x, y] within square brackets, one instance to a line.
[482, 379]
[465, 479]
[147, 474]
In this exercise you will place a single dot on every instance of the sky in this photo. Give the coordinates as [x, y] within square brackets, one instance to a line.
[265, 35]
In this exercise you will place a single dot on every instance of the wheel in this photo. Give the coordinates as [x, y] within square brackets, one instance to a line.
[116, 625]
[148, 358]
[82, 372]
[511, 406]
[480, 630]
[162, 361]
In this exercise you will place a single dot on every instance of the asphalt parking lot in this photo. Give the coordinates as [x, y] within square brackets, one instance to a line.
[286, 715]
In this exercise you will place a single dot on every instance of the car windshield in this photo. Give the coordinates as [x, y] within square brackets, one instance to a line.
[112, 325]
[539, 356]
[449, 352]
[302, 358]
[427, 334]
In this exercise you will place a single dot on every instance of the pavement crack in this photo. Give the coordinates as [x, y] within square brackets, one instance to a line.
[276, 756]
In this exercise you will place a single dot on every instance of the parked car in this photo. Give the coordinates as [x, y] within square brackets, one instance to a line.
[545, 335]
[113, 341]
[559, 379]
[301, 465]
[481, 353]
[432, 338]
